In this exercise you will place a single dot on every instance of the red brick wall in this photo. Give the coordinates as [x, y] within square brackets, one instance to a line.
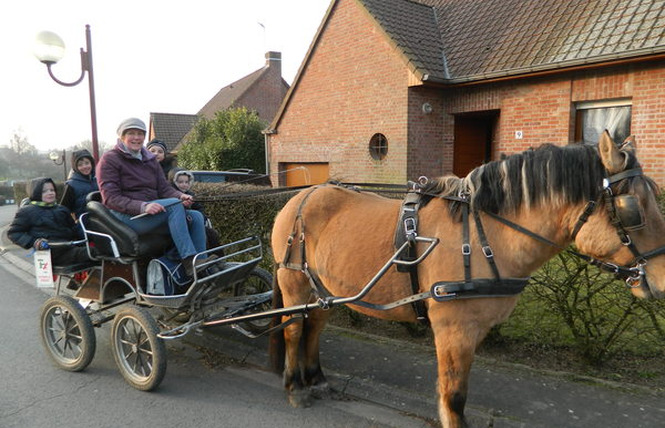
[354, 86]
[543, 109]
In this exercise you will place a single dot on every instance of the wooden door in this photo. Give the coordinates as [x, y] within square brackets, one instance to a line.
[473, 142]
[304, 174]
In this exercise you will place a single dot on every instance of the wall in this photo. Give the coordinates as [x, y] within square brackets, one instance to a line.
[354, 86]
[543, 109]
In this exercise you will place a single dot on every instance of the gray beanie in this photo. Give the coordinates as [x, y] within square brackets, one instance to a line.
[131, 123]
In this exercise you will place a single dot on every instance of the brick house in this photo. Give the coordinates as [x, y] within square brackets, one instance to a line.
[261, 91]
[394, 89]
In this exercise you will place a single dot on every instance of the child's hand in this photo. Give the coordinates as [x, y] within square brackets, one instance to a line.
[41, 244]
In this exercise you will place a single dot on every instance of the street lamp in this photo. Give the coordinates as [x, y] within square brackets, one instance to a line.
[49, 49]
[59, 160]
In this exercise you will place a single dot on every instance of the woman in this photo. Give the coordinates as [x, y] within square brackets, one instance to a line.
[132, 183]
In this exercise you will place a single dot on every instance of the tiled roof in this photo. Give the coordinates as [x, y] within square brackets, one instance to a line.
[413, 28]
[229, 94]
[469, 40]
[171, 127]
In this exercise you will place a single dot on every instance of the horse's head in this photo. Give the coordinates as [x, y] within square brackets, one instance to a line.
[627, 227]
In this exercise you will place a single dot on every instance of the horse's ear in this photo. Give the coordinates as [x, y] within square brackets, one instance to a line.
[613, 158]
[628, 145]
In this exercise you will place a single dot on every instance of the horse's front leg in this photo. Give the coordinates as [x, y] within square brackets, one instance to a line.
[454, 353]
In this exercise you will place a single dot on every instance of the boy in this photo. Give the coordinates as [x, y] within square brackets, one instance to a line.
[42, 221]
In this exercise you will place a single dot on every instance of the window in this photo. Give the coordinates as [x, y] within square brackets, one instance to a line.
[592, 118]
[378, 146]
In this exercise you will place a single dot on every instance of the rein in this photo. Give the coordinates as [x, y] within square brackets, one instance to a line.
[634, 275]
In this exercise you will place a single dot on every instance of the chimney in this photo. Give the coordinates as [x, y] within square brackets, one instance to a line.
[274, 60]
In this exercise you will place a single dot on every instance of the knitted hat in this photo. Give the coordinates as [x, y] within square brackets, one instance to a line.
[77, 155]
[159, 143]
[131, 123]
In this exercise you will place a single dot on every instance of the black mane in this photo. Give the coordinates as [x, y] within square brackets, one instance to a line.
[547, 175]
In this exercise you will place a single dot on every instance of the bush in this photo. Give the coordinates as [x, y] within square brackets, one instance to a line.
[241, 210]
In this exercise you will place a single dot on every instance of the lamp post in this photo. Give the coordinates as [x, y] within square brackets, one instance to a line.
[49, 49]
[59, 160]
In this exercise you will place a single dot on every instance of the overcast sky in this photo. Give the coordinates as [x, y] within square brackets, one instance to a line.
[148, 56]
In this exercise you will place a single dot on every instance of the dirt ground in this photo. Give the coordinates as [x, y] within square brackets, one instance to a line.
[627, 369]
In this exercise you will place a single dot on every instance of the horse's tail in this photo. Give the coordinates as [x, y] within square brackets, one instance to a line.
[276, 347]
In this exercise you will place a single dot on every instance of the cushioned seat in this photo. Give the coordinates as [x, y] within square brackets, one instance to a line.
[129, 243]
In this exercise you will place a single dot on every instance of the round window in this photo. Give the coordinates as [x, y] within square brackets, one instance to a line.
[378, 146]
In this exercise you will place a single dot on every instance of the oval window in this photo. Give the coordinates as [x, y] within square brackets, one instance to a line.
[378, 146]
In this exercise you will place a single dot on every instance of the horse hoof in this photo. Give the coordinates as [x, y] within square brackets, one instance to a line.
[300, 399]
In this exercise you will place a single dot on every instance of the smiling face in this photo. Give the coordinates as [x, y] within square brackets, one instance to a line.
[133, 139]
[183, 183]
[84, 166]
[158, 152]
[48, 193]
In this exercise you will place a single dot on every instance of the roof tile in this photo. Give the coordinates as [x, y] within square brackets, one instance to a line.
[462, 40]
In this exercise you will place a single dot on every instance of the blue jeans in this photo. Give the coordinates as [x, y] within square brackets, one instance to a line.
[186, 227]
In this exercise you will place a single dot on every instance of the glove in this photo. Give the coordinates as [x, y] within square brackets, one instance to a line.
[41, 244]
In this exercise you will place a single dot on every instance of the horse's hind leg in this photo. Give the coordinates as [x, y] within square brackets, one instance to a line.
[295, 291]
[314, 376]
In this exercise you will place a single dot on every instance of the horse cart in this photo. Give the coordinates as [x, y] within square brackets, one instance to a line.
[148, 298]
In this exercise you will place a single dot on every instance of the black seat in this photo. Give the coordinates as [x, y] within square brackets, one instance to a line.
[130, 244]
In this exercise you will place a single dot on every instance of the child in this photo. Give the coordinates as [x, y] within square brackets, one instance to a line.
[81, 182]
[183, 180]
[42, 220]
[166, 161]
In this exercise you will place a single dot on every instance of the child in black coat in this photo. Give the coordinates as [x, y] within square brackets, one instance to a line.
[42, 221]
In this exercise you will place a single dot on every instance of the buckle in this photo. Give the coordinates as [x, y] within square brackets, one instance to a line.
[466, 249]
[410, 226]
[488, 252]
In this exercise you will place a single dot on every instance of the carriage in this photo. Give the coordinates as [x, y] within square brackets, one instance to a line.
[147, 297]
[456, 252]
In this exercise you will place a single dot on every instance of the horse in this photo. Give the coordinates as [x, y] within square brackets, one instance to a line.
[494, 228]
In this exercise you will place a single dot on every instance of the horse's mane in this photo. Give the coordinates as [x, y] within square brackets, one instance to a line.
[547, 175]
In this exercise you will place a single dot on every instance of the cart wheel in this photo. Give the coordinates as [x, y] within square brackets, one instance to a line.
[67, 333]
[139, 354]
[258, 281]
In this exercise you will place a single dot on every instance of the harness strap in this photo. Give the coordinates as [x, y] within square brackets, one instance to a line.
[584, 217]
[407, 230]
[466, 246]
[444, 291]
[314, 281]
[619, 271]
[487, 250]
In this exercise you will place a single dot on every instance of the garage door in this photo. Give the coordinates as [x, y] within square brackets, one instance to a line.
[303, 174]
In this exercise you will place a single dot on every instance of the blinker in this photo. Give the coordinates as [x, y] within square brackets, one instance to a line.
[630, 212]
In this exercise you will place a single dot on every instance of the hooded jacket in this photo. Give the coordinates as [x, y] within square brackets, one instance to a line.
[52, 221]
[79, 185]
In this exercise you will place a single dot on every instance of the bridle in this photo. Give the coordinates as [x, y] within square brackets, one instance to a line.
[626, 215]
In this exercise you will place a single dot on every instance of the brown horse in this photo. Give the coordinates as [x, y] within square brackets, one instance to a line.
[529, 206]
